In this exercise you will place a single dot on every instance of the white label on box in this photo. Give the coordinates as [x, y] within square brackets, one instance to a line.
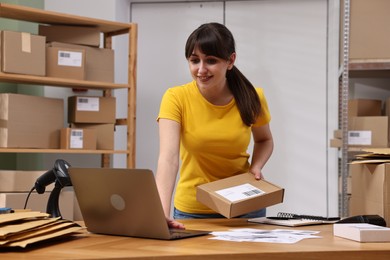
[359, 137]
[87, 104]
[76, 138]
[240, 192]
[70, 58]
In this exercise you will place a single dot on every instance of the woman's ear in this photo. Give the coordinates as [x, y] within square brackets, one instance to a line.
[231, 60]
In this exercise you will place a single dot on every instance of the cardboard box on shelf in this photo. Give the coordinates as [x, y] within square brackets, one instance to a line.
[370, 185]
[38, 202]
[362, 232]
[368, 131]
[84, 139]
[88, 109]
[30, 121]
[238, 195]
[71, 34]
[65, 62]
[105, 134]
[99, 64]
[364, 107]
[20, 181]
[22, 53]
[368, 37]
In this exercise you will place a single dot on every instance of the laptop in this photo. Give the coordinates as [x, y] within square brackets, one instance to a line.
[123, 202]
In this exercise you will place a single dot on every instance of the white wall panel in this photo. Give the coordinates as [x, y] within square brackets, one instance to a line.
[282, 47]
[163, 31]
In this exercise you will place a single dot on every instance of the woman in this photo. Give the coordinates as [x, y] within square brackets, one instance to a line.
[208, 124]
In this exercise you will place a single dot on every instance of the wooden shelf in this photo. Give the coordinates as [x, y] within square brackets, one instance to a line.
[58, 82]
[29, 14]
[71, 151]
[373, 68]
[109, 29]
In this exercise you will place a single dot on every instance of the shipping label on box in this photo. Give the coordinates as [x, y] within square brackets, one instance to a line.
[359, 137]
[22, 53]
[104, 132]
[65, 63]
[78, 139]
[99, 63]
[238, 195]
[369, 131]
[87, 109]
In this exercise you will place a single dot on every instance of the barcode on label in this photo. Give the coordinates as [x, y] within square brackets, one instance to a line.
[251, 193]
[64, 54]
[240, 192]
[77, 133]
[354, 134]
[83, 100]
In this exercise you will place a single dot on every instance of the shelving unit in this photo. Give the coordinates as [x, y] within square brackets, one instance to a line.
[109, 29]
[352, 68]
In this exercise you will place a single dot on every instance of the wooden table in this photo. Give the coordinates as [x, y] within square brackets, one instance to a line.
[93, 246]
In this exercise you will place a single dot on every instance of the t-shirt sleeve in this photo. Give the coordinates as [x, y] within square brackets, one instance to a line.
[170, 107]
[265, 116]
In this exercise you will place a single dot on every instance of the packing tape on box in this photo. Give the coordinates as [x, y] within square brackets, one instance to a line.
[26, 42]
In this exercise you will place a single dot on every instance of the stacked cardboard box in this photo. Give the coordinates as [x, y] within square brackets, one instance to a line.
[94, 113]
[370, 190]
[15, 186]
[30, 121]
[22, 53]
[99, 62]
[366, 124]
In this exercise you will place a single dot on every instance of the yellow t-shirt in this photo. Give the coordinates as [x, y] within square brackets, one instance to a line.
[213, 143]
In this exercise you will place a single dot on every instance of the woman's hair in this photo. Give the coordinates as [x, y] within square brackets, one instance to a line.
[215, 39]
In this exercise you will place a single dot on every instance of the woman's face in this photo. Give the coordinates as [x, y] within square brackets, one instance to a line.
[209, 71]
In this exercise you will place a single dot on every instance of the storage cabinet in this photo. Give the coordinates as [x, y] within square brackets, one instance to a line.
[109, 29]
[364, 55]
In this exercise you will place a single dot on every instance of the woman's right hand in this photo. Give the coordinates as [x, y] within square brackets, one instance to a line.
[174, 224]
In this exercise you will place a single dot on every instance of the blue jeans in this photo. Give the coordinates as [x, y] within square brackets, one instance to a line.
[177, 214]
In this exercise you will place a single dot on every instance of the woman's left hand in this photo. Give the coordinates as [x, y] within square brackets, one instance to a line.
[257, 173]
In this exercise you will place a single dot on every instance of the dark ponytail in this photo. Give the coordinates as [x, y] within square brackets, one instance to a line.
[244, 93]
[215, 39]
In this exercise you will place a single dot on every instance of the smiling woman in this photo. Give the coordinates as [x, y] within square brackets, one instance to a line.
[220, 99]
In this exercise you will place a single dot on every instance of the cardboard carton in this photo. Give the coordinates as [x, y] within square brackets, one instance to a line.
[362, 232]
[364, 107]
[370, 190]
[20, 181]
[65, 63]
[369, 36]
[368, 131]
[99, 63]
[84, 139]
[71, 34]
[238, 195]
[30, 121]
[88, 109]
[105, 134]
[22, 53]
[38, 202]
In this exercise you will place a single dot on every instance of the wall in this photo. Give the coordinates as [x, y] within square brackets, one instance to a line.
[287, 47]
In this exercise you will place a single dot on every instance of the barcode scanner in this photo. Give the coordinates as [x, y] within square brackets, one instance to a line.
[59, 174]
